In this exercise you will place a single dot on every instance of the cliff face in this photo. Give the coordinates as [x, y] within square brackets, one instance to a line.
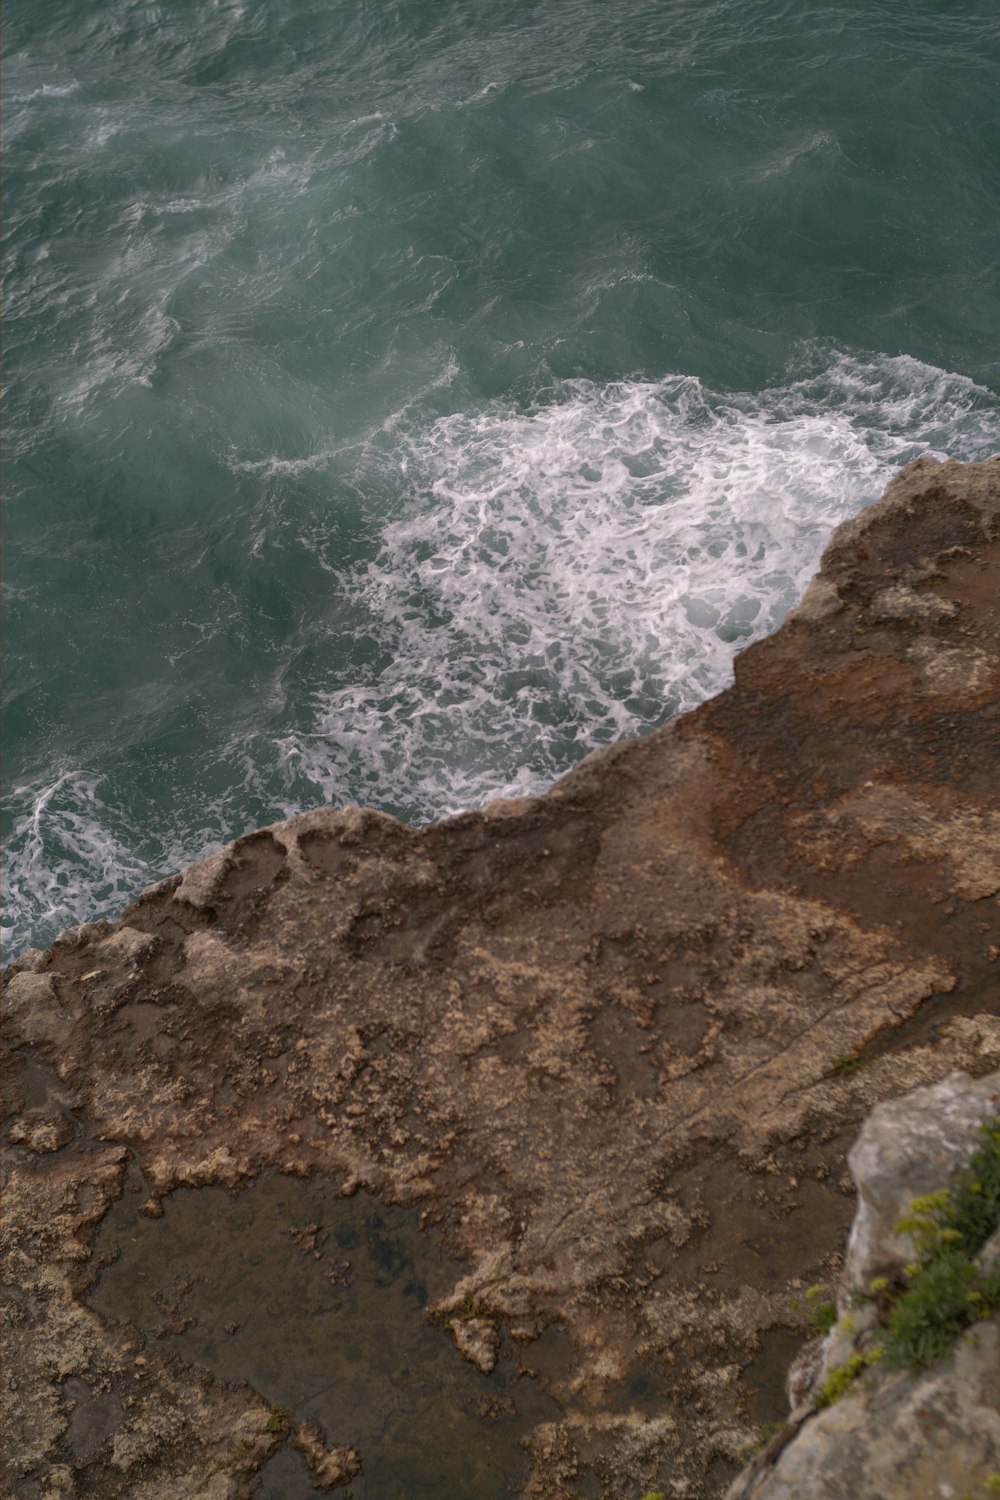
[613, 1042]
[895, 1432]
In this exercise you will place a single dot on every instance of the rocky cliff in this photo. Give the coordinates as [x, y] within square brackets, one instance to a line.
[886, 1406]
[612, 1043]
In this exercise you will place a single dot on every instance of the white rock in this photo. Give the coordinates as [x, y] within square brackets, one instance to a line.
[909, 1147]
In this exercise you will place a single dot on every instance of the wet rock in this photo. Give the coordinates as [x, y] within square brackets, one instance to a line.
[28, 990]
[95, 1418]
[613, 1042]
[478, 1341]
[42, 1133]
[329, 1467]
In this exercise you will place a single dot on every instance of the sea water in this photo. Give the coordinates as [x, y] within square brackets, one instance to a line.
[404, 397]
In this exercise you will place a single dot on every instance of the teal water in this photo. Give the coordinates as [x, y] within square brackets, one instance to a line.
[404, 398]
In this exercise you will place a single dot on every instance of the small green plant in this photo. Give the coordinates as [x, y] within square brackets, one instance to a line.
[927, 1222]
[945, 1296]
[822, 1315]
[278, 1420]
[948, 1290]
[993, 1483]
[470, 1308]
[842, 1377]
[845, 1065]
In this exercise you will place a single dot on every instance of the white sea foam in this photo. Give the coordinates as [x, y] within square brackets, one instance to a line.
[272, 467]
[47, 91]
[73, 855]
[576, 572]
[63, 862]
[553, 577]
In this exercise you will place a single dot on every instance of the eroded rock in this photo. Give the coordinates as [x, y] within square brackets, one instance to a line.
[936, 1436]
[478, 1340]
[894, 1435]
[329, 1467]
[909, 1147]
[614, 1041]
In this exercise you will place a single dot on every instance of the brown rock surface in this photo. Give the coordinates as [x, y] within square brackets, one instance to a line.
[613, 1041]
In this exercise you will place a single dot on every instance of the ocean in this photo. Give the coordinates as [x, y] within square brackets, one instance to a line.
[403, 399]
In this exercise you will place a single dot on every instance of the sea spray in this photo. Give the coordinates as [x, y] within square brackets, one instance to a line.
[403, 400]
[554, 576]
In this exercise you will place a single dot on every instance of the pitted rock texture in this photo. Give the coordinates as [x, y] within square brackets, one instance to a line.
[614, 1041]
[895, 1435]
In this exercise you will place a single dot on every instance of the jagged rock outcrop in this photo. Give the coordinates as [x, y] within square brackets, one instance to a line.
[613, 1042]
[898, 1436]
[907, 1148]
[893, 1434]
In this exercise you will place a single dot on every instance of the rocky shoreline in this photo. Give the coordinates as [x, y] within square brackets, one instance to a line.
[870, 1419]
[612, 1043]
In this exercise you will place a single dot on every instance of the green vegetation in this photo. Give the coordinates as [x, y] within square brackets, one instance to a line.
[842, 1377]
[946, 1289]
[822, 1315]
[845, 1065]
[470, 1308]
[991, 1486]
[279, 1420]
[942, 1300]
